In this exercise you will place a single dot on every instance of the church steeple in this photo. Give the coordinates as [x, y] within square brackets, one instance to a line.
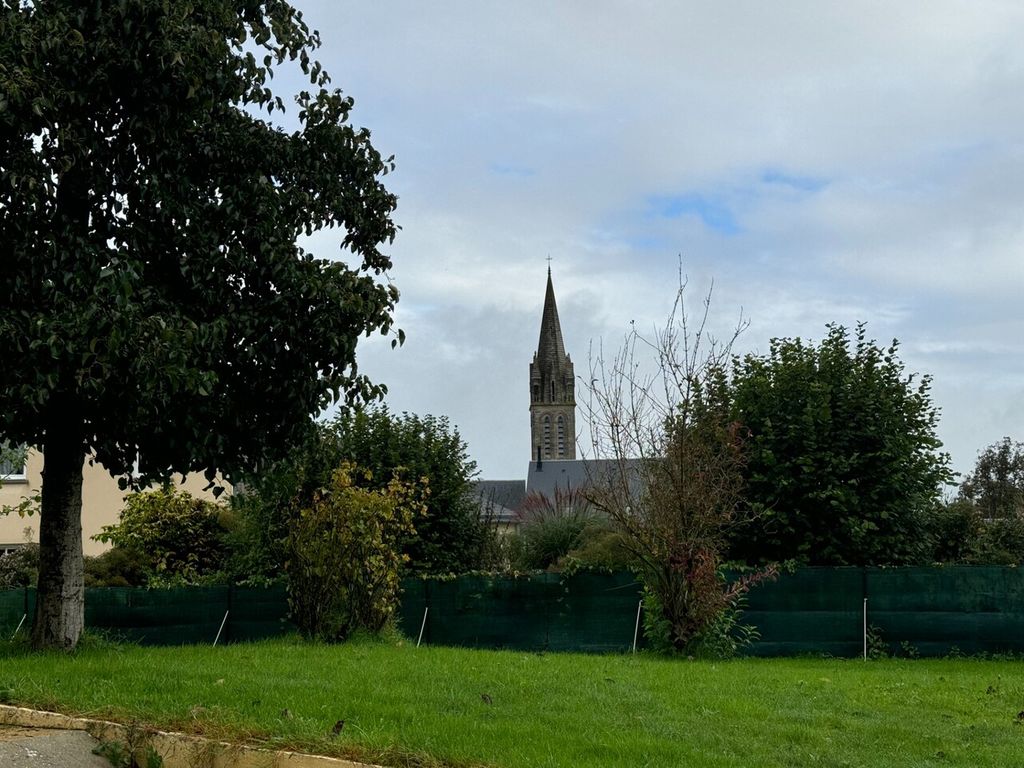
[552, 389]
[551, 346]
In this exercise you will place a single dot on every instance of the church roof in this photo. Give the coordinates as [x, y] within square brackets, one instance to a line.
[549, 476]
[550, 347]
[500, 499]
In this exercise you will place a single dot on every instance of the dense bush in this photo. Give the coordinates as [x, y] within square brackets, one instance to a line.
[1001, 542]
[264, 502]
[344, 558]
[426, 452]
[114, 568]
[959, 533]
[451, 536]
[174, 536]
[954, 529]
[118, 567]
[19, 568]
[603, 549]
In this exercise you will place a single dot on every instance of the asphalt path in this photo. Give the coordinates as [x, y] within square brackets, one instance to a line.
[46, 748]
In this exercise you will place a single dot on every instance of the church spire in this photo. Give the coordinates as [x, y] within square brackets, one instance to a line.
[550, 347]
[552, 389]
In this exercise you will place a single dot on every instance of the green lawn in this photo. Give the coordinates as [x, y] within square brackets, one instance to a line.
[451, 707]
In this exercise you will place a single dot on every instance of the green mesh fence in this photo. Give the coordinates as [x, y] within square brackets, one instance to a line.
[929, 611]
[258, 613]
[188, 615]
[15, 605]
[815, 610]
[585, 612]
[157, 616]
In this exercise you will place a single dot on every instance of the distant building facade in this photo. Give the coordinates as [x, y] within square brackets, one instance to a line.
[102, 501]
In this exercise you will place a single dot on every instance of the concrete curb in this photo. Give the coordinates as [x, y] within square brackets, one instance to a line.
[178, 750]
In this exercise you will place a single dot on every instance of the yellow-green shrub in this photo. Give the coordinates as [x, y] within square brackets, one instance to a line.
[344, 555]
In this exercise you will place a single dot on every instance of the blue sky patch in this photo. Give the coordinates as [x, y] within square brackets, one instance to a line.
[713, 212]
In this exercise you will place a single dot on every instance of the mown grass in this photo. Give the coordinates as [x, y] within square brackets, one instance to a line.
[404, 706]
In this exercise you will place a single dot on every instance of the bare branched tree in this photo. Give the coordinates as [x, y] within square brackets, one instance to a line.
[671, 479]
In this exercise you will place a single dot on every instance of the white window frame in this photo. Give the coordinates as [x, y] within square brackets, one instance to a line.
[17, 477]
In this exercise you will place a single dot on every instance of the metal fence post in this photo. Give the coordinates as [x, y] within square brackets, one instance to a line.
[423, 626]
[865, 629]
[636, 629]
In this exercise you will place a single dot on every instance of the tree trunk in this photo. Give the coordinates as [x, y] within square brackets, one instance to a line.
[60, 598]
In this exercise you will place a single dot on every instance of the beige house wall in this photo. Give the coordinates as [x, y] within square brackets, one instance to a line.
[102, 502]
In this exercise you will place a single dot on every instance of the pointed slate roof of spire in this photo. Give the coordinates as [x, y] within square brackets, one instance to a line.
[550, 347]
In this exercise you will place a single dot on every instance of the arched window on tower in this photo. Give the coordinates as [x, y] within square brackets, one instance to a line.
[547, 437]
[560, 431]
[552, 391]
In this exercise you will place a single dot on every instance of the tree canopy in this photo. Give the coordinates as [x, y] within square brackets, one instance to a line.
[996, 485]
[984, 524]
[843, 463]
[157, 311]
[450, 536]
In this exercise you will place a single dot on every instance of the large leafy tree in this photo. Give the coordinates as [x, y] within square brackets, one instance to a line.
[451, 536]
[843, 463]
[156, 310]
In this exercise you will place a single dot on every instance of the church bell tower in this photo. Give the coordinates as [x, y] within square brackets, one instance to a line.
[552, 390]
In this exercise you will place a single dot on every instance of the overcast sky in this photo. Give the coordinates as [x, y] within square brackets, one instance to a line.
[822, 162]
